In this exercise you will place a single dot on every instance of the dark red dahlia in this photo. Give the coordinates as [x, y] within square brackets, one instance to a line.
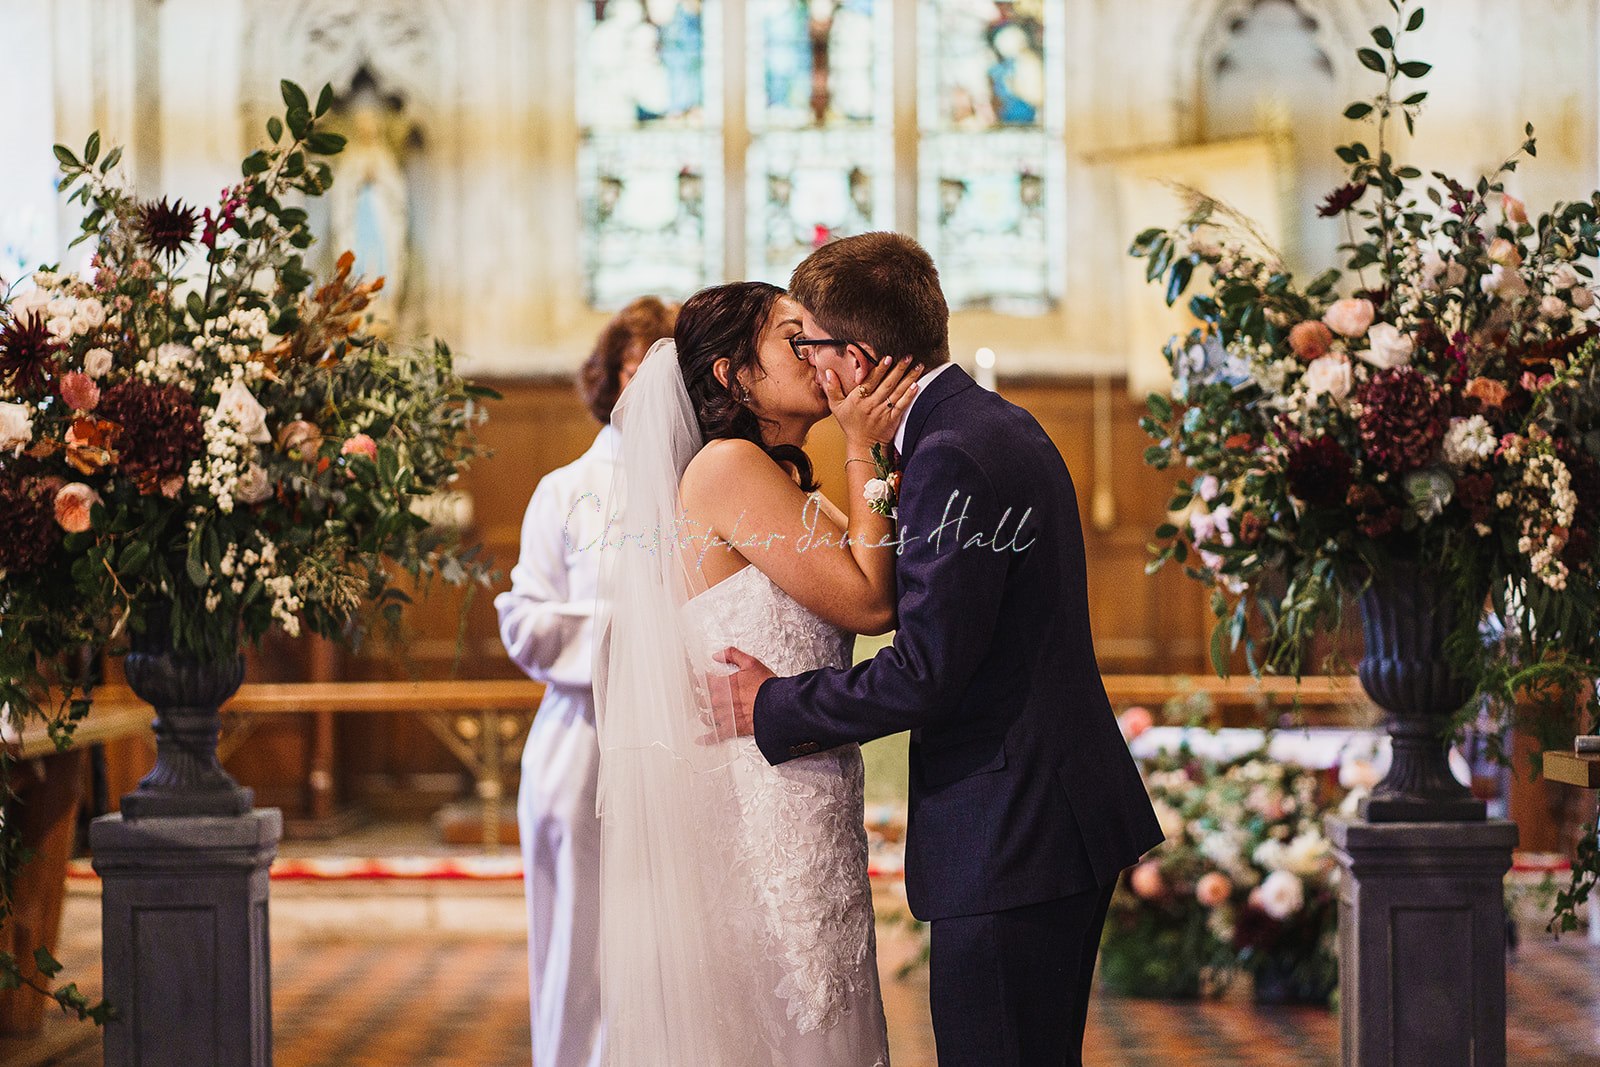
[161, 431]
[28, 355]
[166, 229]
[28, 530]
[1318, 471]
[1403, 418]
[1342, 199]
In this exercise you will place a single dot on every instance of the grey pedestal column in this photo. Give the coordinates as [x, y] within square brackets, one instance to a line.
[184, 920]
[1422, 941]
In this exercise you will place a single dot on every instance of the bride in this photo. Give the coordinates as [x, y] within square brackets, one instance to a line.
[737, 924]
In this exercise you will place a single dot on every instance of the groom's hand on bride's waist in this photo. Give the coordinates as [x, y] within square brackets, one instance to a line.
[733, 696]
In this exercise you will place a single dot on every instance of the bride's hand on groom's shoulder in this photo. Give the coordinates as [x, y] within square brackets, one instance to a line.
[871, 412]
[733, 696]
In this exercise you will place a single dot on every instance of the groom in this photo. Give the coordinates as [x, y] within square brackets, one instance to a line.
[1025, 804]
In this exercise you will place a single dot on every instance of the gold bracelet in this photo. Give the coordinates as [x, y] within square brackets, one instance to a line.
[868, 462]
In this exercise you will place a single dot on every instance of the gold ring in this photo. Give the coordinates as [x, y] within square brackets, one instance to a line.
[863, 392]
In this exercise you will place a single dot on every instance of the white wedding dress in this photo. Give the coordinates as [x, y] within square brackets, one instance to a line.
[807, 928]
[736, 921]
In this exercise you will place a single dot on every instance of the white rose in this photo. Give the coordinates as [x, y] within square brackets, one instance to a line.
[1553, 307]
[876, 491]
[60, 327]
[1328, 375]
[251, 417]
[97, 362]
[253, 486]
[16, 428]
[1433, 267]
[1564, 277]
[1389, 347]
[89, 315]
[1582, 298]
[1280, 895]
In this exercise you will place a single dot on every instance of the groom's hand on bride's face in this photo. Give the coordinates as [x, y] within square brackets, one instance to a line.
[733, 698]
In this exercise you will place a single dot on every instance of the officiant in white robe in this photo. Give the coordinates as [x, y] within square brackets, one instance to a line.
[547, 625]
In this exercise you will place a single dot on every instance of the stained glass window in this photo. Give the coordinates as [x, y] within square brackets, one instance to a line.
[650, 152]
[820, 111]
[991, 163]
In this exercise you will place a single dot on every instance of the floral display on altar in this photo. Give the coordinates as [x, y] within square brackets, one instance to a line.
[1244, 883]
[200, 441]
[1433, 401]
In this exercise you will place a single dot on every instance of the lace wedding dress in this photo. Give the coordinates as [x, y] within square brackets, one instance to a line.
[805, 933]
[735, 913]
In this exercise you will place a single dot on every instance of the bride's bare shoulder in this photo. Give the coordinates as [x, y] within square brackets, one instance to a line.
[721, 462]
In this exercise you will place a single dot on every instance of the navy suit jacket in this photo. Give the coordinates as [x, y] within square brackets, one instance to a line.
[1022, 788]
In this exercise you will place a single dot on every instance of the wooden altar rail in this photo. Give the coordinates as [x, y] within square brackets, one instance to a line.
[483, 722]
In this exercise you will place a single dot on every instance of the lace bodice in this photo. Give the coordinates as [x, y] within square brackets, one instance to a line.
[803, 844]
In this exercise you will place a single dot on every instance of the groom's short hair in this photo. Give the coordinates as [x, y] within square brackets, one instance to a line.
[878, 288]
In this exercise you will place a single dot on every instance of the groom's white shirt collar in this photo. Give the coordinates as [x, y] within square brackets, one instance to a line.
[922, 387]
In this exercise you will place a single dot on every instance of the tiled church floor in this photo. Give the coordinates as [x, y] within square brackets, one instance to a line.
[360, 993]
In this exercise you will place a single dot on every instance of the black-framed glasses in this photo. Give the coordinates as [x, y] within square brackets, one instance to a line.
[799, 344]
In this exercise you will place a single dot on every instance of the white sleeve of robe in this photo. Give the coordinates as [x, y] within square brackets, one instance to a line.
[547, 617]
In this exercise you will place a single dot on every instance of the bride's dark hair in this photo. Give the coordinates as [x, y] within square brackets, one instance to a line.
[728, 320]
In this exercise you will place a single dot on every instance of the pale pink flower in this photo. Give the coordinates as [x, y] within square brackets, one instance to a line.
[79, 391]
[171, 486]
[1516, 211]
[73, 502]
[360, 445]
[1212, 889]
[1552, 307]
[1350, 318]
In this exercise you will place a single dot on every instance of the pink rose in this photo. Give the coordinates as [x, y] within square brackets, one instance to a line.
[1135, 721]
[171, 486]
[73, 502]
[1212, 889]
[1310, 340]
[360, 445]
[1516, 211]
[1146, 880]
[1582, 297]
[1350, 318]
[1553, 307]
[79, 391]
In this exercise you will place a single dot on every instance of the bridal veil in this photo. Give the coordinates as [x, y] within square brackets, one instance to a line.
[674, 990]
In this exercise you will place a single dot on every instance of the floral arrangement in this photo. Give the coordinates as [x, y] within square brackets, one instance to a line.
[1447, 409]
[198, 435]
[1244, 881]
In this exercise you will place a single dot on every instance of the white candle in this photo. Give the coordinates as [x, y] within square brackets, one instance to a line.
[985, 375]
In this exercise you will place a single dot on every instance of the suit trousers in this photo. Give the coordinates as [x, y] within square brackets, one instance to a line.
[1011, 988]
